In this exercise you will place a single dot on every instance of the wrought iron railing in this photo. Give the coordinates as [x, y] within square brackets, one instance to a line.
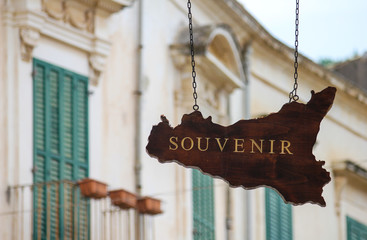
[57, 210]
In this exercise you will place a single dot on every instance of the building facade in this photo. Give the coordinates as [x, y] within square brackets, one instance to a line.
[82, 84]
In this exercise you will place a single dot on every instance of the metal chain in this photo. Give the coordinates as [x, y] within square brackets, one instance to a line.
[293, 94]
[194, 85]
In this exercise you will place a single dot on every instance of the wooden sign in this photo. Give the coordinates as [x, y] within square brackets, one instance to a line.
[274, 151]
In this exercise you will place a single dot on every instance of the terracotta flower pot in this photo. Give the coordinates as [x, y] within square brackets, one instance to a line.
[123, 199]
[148, 205]
[92, 188]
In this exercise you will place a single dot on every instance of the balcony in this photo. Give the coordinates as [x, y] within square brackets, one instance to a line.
[58, 210]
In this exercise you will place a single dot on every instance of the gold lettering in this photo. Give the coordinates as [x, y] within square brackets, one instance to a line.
[207, 144]
[285, 146]
[236, 144]
[183, 144]
[175, 146]
[260, 148]
[221, 147]
[271, 146]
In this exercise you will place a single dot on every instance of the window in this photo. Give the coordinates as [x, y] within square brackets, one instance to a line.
[60, 109]
[203, 206]
[278, 217]
[356, 230]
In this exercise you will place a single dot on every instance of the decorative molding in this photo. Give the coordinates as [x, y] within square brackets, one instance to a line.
[113, 6]
[96, 63]
[340, 183]
[351, 170]
[81, 14]
[259, 34]
[29, 38]
[211, 97]
[220, 74]
[181, 61]
[225, 71]
[347, 172]
[46, 26]
[33, 25]
[78, 14]
[74, 22]
[54, 8]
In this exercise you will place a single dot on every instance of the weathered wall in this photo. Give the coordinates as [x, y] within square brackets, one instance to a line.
[342, 136]
[112, 118]
[4, 219]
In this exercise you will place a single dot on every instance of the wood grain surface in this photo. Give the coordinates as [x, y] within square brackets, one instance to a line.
[274, 151]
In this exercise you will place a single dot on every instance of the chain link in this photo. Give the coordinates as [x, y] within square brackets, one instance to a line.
[293, 94]
[194, 85]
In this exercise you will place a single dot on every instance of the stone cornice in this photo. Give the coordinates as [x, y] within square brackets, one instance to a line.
[350, 170]
[33, 25]
[226, 76]
[114, 5]
[72, 22]
[347, 172]
[258, 33]
[81, 14]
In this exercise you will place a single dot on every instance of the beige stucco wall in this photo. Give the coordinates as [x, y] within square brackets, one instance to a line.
[3, 130]
[342, 137]
[112, 121]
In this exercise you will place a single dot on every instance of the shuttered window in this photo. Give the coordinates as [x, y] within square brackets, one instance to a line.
[278, 217]
[356, 230]
[203, 206]
[60, 152]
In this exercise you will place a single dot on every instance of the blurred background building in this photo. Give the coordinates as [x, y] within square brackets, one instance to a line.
[83, 81]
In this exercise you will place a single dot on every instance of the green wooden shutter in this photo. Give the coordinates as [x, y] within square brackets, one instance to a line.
[203, 206]
[39, 93]
[81, 148]
[60, 152]
[278, 217]
[356, 230]
[53, 155]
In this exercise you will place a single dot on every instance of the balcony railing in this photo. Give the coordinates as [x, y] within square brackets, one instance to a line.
[57, 210]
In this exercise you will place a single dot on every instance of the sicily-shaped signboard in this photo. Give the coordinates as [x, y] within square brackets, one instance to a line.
[274, 151]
